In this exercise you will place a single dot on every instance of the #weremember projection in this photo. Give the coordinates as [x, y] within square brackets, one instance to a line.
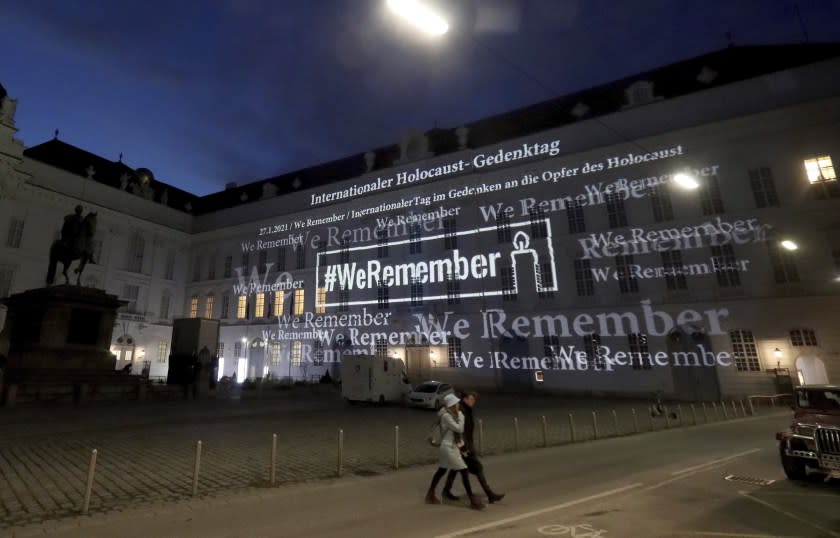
[502, 249]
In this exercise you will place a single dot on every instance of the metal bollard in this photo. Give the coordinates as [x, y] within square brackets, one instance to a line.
[396, 447]
[725, 414]
[615, 423]
[635, 421]
[752, 409]
[89, 483]
[705, 413]
[544, 431]
[480, 437]
[196, 468]
[773, 401]
[734, 410]
[680, 414]
[650, 416]
[572, 428]
[743, 409]
[516, 434]
[714, 407]
[693, 415]
[594, 425]
[340, 452]
[272, 475]
[667, 416]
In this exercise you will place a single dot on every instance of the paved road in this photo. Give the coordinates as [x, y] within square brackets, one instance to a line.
[145, 449]
[668, 483]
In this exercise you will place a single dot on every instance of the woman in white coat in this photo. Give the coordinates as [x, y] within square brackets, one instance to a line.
[451, 427]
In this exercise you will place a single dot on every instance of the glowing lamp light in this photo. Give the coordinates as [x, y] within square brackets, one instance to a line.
[787, 244]
[419, 15]
[686, 181]
[244, 340]
[778, 353]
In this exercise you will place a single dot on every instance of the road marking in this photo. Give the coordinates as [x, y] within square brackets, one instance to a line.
[541, 511]
[713, 462]
[786, 513]
[581, 530]
[734, 535]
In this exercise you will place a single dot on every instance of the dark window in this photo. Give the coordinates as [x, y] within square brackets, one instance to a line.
[382, 242]
[826, 190]
[627, 281]
[639, 353]
[574, 212]
[508, 283]
[281, 258]
[616, 211]
[415, 246]
[300, 250]
[783, 264]
[539, 228]
[503, 228]
[592, 347]
[263, 260]
[225, 306]
[245, 262]
[343, 299]
[660, 199]
[726, 266]
[381, 350]
[228, 266]
[583, 278]
[545, 284]
[551, 347]
[416, 292]
[318, 353]
[453, 289]
[454, 352]
[450, 240]
[344, 254]
[710, 198]
[673, 267]
[763, 187]
[803, 337]
[382, 299]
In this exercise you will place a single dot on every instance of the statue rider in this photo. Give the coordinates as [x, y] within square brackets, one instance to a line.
[72, 229]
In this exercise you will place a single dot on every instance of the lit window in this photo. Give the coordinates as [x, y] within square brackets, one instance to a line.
[820, 169]
[298, 302]
[321, 301]
[259, 308]
[241, 306]
[296, 352]
[279, 298]
[209, 302]
[746, 354]
[381, 348]
[162, 351]
[275, 353]
[453, 352]
[194, 307]
[592, 348]
[639, 351]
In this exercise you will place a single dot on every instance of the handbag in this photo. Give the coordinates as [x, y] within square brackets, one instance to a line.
[435, 435]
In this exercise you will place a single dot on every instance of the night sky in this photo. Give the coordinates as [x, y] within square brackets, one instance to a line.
[208, 92]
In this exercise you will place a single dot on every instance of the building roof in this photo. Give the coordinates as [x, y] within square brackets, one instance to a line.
[696, 74]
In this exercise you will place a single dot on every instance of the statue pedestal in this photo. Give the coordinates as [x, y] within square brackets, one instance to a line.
[59, 344]
[61, 327]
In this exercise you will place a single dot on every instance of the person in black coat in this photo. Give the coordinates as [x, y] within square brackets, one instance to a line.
[469, 454]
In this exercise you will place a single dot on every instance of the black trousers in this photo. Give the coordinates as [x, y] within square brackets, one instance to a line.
[474, 466]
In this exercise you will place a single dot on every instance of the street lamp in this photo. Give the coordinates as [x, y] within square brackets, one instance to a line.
[787, 244]
[420, 15]
[686, 181]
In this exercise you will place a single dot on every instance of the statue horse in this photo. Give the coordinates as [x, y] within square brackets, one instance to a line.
[79, 248]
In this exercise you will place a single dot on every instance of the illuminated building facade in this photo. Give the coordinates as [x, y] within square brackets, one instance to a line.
[558, 247]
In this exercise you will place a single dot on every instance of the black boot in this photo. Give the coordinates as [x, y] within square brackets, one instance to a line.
[492, 497]
[447, 488]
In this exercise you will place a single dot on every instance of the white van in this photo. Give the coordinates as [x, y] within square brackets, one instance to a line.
[366, 378]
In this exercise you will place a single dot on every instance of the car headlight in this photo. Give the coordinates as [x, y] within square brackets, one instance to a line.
[805, 430]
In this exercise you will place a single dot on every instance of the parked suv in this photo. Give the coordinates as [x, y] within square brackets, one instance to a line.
[812, 443]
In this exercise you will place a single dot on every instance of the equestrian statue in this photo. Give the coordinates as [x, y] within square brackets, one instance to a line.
[76, 243]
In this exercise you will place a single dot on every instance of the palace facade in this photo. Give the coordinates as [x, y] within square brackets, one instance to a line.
[673, 231]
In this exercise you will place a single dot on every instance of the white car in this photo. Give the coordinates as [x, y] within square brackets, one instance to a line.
[429, 394]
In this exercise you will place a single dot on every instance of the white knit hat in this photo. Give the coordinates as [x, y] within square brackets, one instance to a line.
[450, 399]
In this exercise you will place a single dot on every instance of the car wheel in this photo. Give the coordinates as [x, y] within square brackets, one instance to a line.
[794, 467]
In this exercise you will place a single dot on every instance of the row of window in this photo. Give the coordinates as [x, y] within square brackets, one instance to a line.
[273, 352]
[259, 305]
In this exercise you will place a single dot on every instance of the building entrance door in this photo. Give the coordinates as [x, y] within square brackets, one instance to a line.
[418, 366]
[693, 381]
